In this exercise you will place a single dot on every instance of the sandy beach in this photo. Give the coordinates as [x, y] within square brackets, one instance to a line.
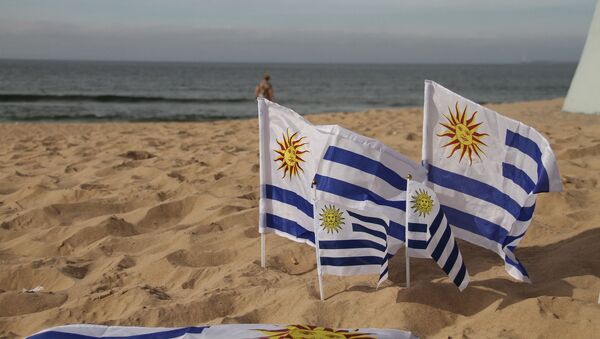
[155, 224]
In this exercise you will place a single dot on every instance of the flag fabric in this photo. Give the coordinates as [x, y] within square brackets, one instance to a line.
[227, 331]
[290, 148]
[362, 174]
[351, 242]
[428, 229]
[486, 170]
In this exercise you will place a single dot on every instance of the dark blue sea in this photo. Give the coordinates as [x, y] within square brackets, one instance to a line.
[144, 91]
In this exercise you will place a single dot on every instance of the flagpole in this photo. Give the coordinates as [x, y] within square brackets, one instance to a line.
[315, 230]
[408, 179]
[263, 254]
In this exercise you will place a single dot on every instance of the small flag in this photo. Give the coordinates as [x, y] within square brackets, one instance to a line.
[486, 170]
[428, 230]
[351, 242]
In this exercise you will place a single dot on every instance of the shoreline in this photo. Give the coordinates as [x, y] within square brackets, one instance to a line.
[200, 120]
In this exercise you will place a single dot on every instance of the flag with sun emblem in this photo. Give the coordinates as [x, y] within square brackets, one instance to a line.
[351, 242]
[362, 173]
[428, 229]
[486, 170]
[290, 148]
[224, 331]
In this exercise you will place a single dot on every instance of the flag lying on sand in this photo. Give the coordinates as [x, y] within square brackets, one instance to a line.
[217, 332]
[486, 170]
[362, 174]
[428, 229]
[290, 148]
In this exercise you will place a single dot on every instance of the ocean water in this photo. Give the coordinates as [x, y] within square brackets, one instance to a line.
[143, 91]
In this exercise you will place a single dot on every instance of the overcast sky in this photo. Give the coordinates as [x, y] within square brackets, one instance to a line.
[388, 31]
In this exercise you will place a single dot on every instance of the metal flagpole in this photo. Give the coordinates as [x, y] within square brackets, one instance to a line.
[315, 230]
[408, 179]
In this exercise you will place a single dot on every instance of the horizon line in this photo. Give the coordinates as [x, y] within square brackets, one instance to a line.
[293, 62]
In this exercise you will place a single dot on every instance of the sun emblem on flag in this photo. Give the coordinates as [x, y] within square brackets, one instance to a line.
[422, 203]
[316, 332]
[290, 153]
[331, 219]
[463, 134]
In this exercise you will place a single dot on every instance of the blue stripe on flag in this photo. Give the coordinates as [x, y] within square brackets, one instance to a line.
[158, 335]
[532, 149]
[475, 224]
[354, 192]
[396, 230]
[441, 245]
[516, 264]
[351, 261]
[518, 176]
[475, 188]
[526, 213]
[451, 259]
[436, 222]
[420, 228]
[417, 244]
[371, 220]
[510, 238]
[460, 275]
[365, 164]
[290, 198]
[289, 226]
[346, 244]
[417, 227]
[361, 228]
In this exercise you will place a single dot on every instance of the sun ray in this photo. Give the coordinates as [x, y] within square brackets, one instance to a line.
[463, 134]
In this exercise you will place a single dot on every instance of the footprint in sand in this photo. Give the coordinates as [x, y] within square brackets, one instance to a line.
[17, 303]
[200, 258]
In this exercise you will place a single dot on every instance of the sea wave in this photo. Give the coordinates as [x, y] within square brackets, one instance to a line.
[111, 98]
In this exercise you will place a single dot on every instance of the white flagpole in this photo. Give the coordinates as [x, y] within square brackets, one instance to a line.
[408, 179]
[263, 131]
[263, 254]
[315, 230]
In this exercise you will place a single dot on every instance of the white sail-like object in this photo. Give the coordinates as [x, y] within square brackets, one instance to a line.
[584, 93]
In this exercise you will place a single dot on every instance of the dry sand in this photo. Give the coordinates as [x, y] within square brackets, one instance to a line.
[155, 224]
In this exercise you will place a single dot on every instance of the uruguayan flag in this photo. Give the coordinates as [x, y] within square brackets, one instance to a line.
[290, 149]
[365, 175]
[227, 331]
[486, 170]
[351, 242]
[361, 173]
[428, 230]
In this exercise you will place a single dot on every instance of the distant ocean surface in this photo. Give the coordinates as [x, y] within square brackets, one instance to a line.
[144, 91]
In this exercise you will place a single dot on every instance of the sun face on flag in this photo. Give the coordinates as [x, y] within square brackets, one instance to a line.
[463, 134]
[422, 203]
[316, 332]
[290, 153]
[331, 219]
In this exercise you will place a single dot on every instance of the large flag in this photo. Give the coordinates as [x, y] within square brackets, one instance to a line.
[362, 174]
[428, 229]
[290, 149]
[226, 331]
[486, 170]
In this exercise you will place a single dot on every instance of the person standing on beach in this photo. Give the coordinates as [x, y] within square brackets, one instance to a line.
[264, 88]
